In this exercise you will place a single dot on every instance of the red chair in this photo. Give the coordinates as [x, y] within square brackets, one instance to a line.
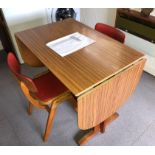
[45, 91]
[110, 31]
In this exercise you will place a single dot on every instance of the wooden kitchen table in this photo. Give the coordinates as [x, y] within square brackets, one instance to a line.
[101, 76]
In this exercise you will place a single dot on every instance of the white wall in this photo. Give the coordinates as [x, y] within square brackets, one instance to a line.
[24, 18]
[90, 16]
[145, 47]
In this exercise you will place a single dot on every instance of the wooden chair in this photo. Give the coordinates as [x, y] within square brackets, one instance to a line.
[44, 91]
[110, 31]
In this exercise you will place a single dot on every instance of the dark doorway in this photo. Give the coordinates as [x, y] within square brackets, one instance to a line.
[4, 34]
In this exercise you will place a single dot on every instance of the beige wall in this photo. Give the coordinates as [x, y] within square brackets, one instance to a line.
[90, 16]
[21, 19]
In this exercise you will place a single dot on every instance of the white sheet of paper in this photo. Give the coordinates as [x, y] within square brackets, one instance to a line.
[70, 43]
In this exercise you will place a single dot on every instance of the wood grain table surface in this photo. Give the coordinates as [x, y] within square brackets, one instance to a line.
[86, 68]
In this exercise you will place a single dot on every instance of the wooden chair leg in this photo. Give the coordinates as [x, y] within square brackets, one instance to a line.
[49, 123]
[58, 100]
[30, 106]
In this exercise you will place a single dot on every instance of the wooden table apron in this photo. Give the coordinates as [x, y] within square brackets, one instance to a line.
[104, 100]
[101, 76]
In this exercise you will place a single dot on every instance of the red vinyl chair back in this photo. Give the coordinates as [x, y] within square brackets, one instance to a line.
[16, 70]
[110, 31]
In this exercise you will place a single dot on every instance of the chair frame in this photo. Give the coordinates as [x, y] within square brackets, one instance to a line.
[44, 105]
[50, 106]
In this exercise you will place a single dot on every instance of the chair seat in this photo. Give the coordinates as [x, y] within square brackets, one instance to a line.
[48, 87]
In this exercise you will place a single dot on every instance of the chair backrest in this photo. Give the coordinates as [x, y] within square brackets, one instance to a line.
[16, 70]
[110, 31]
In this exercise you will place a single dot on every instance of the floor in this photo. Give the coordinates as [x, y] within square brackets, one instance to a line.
[135, 126]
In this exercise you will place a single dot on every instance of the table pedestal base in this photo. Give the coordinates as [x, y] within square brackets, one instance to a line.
[97, 129]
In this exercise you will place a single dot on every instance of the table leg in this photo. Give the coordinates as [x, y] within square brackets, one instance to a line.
[30, 106]
[97, 129]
